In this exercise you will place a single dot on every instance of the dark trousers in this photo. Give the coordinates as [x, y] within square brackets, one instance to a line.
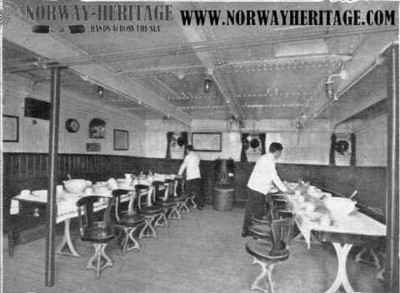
[255, 208]
[193, 187]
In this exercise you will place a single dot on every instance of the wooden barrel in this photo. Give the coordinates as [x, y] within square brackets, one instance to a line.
[223, 198]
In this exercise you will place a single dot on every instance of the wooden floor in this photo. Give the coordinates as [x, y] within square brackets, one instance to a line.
[203, 253]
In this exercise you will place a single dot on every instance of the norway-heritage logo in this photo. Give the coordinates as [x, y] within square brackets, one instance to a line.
[107, 17]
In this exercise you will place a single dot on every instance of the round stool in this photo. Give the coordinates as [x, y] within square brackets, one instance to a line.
[261, 252]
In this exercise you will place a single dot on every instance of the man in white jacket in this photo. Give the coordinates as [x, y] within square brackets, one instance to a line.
[191, 164]
[262, 179]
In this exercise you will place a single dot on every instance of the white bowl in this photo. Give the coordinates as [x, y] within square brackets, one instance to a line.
[75, 185]
[340, 206]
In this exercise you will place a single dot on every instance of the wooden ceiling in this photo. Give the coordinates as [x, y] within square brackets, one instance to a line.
[257, 72]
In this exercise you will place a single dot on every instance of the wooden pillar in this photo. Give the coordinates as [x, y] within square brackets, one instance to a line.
[51, 192]
[393, 175]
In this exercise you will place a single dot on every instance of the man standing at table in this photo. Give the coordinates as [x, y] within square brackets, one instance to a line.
[191, 164]
[261, 181]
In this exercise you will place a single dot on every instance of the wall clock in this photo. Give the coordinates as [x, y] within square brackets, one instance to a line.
[72, 125]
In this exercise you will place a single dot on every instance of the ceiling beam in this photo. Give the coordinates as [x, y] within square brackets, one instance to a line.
[207, 59]
[202, 45]
[303, 60]
[158, 82]
[362, 60]
[40, 88]
[19, 31]
[342, 111]
[158, 69]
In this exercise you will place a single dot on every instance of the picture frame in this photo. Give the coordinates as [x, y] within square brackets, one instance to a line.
[121, 140]
[207, 141]
[10, 128]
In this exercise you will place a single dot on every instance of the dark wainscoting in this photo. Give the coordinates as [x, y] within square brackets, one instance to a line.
[369, 181]
[29, 171]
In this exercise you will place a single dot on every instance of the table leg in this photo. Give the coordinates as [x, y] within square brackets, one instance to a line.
[67, 242]
[342, 251]
[360, 257]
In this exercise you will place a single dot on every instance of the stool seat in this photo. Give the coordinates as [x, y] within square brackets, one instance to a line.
[261, 231]
[261, 249]
[164, 204]
[99, 232]
[131, 220]
[150, 211]
[261, 221]
[176, 199]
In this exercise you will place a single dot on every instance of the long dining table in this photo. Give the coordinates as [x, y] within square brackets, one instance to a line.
[67, 209]
[343, 233]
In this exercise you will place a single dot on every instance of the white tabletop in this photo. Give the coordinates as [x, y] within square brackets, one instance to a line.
[356, 223]
[66, 202]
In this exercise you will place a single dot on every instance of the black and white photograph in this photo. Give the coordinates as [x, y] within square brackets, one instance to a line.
[200, 146]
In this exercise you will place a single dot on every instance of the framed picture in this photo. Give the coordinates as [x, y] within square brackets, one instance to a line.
[207, 141]
[93, 147]
[121, 140]
[10, 128]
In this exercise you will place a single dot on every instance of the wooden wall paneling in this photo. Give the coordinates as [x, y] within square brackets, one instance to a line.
[43, 164]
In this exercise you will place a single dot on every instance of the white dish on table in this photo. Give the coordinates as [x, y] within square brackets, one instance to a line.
[37, 195]
[76, 185]
[25, 192]
[340, 206]
[112, 183]
[89, 191]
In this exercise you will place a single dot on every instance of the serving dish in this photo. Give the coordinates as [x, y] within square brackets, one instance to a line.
[340, 206]
[76, 185]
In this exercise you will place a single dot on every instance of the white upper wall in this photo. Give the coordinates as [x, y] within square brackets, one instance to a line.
[148, 137]
[34, 132]
[371, 142]
[310, 146]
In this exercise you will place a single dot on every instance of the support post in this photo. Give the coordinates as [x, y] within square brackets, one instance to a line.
[51, 192]
[393, 175]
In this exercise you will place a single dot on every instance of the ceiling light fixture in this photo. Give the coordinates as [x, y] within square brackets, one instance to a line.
[208, 80]
[100, 91]
[207, 84]
[180, 75]
[329, 84]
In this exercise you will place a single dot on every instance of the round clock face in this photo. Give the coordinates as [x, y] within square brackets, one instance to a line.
[72, 125]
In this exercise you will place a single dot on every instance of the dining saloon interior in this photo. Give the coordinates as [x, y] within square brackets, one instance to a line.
[97, 195]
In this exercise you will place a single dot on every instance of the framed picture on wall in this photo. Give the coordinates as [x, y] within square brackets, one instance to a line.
[121, 140]
[10, 128]
[207, 141]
